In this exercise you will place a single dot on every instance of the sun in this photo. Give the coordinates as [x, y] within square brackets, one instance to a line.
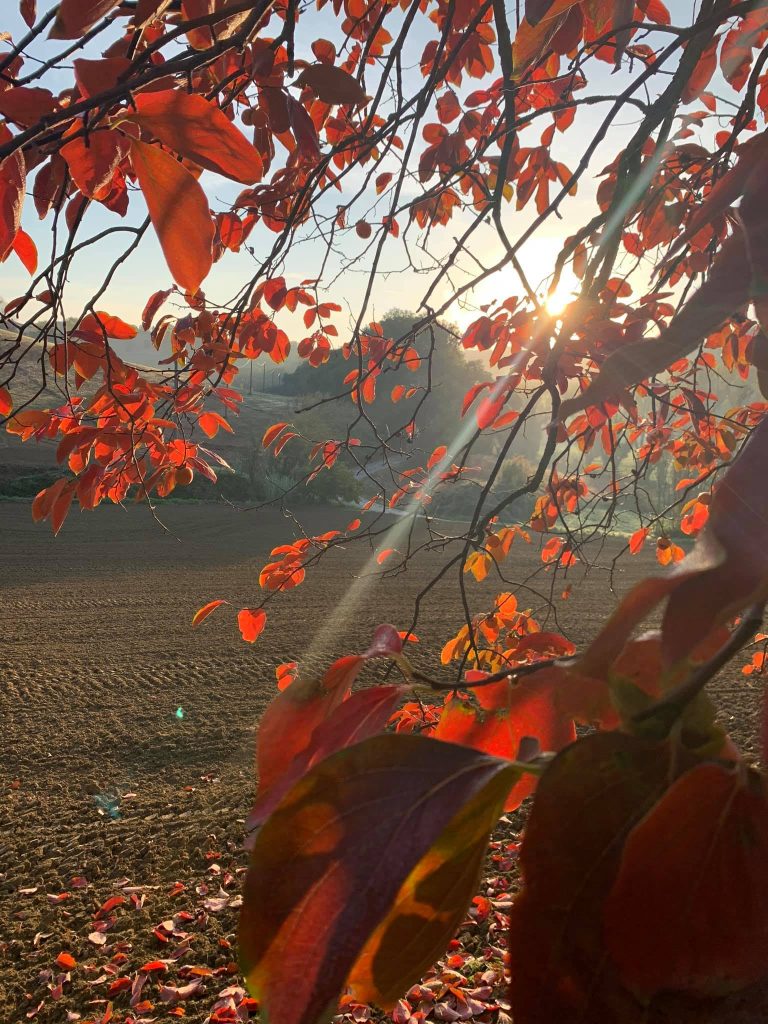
[557, 300]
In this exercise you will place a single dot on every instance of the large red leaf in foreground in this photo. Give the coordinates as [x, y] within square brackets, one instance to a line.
[590, 797]
[362, 854]
[689, 909]
[198, 130]
[363, 714]
[179, 211]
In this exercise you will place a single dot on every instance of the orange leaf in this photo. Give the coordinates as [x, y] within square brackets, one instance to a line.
[66, 961]
[198, 130]
[179, 211]
[271, 433]
[637, 540]
[92, 161]
[25, 249]
[202, 613]
[503, 716]
[95, 76]
[251, 622]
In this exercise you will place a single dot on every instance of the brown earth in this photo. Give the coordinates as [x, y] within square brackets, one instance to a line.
[106, 790]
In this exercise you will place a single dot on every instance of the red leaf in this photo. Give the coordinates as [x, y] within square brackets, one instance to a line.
[93, 161]
[28, 11]
[374, 820]
[271, 433]
[331, 84]
[437, 456]
[12, 183]
[386, 643]
[202, 613]
[251, 622]
[198, 130]
[25, 106]
[96, 325]
[75, 17]
[6, 402]
[586, 802]
[211, 422]
[97, 76]
[291, 718]
[637, 540]
[503, 716]
[154, 302]
[448, 107]
[25, 249]
[700, 77]
[692, 915]
[179, 211]
[364, 714]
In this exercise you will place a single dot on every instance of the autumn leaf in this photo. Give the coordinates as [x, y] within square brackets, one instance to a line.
[93, 160]
[199, 131]
[363, 714]
[608, 780]
[75, 17]
[331, 84]
[251, 622]
[500, 716]
[692, 915]
[154, 302]
[97, 76]
[26, 250]
[24, 106]
[271, 433]
[377, 819]
[12, 183]
[202, 613]
[179, 211]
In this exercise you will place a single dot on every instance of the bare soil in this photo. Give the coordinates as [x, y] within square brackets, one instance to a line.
[127, 738]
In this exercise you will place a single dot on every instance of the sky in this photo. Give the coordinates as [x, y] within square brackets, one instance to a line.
[395, 286]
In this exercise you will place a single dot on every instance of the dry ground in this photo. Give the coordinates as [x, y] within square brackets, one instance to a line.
[96, 656]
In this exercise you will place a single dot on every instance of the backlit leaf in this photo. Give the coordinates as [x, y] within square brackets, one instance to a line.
[251, 622]
[26, 250]
[380, 820]
[202, 613]
[198, 130]
[363, 714]
[503, 715]
[179, 211]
